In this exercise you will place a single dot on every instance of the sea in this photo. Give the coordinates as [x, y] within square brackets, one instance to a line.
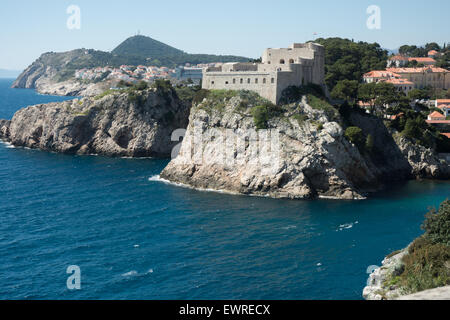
[91, 227]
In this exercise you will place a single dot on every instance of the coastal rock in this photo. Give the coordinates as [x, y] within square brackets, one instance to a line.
[306, 160]
[118, 124]
[313, 158]
[52, 73]
[376, 288]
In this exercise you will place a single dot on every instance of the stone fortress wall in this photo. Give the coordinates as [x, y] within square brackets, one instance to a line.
[297, 65]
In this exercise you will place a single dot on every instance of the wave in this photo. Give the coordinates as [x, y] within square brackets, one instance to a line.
[157, 178]
[346, 226]
[134, 273]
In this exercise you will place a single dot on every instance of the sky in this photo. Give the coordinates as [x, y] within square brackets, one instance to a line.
[238, 27]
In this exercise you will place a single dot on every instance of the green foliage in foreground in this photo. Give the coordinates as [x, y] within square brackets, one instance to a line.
[262, 114]
[356, 136]
[427, 264]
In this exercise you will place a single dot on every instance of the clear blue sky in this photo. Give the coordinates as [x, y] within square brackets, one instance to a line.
[239, 27]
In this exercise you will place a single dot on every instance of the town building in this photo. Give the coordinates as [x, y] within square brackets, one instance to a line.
[444, 106]
[399, 61]
[436, 116]
[437, 78]
[186, 73]
[300, 64]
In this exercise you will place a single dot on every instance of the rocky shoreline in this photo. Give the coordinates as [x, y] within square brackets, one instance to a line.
[314, 159]
[137, 124]
[303, 153]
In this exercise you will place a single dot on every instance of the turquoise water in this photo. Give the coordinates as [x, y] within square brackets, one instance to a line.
[134, 238]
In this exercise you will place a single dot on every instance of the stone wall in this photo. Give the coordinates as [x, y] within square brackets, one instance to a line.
[280, 68]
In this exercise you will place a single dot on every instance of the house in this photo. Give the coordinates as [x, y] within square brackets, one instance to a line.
[425, 61]
[402, 85]
[434, 77]
[433, 53]
[444, 105]
[378, 75]
[397, 61]
[436, 116]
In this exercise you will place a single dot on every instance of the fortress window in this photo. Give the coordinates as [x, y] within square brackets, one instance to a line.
[212, 82]
[256, 80]
[272, 80]
[234, 81]
[264, 80]
[226, 82]
[248, 80]
[242, 80]
[282, 61]
[291, 61]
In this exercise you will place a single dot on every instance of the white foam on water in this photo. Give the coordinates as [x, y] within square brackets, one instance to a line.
[289, 227]
[158, 178]
[130, 274]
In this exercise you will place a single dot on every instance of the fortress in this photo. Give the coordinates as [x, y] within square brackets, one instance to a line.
[300, 64]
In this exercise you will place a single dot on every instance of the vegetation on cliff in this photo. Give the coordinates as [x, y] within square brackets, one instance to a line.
[427, 262]
[349, 60]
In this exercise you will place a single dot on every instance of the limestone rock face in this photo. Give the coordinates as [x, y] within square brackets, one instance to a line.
[312, 159]
[114, 125]
[376, 288]
[44, 75]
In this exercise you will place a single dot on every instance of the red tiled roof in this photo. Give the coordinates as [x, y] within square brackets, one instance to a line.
[439, 101]
[380, 74]
[418, 59]
[438, 122]
[417, 70]
[446, 134]
[399, 81]
[436, 114]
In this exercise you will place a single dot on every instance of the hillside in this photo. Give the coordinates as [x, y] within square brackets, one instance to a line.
[151, 51]
[59, 67]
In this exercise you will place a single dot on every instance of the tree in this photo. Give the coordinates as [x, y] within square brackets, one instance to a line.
[385, 93]
[432, 46]
[437, 224]
[347, 60]
[346, 90]
[418, 94]
[356, 136]
[412, 129]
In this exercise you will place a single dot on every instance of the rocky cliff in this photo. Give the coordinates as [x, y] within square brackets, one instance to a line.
[52, 73]
[310, 156]
[131, 123]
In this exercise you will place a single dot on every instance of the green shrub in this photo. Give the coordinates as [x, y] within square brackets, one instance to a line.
[426, 265]
[437, 224]
[133, 96]
[141, 85]
[301, 118]
[427, 262]
[356, 136]
[321, 104]
[262, 114]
